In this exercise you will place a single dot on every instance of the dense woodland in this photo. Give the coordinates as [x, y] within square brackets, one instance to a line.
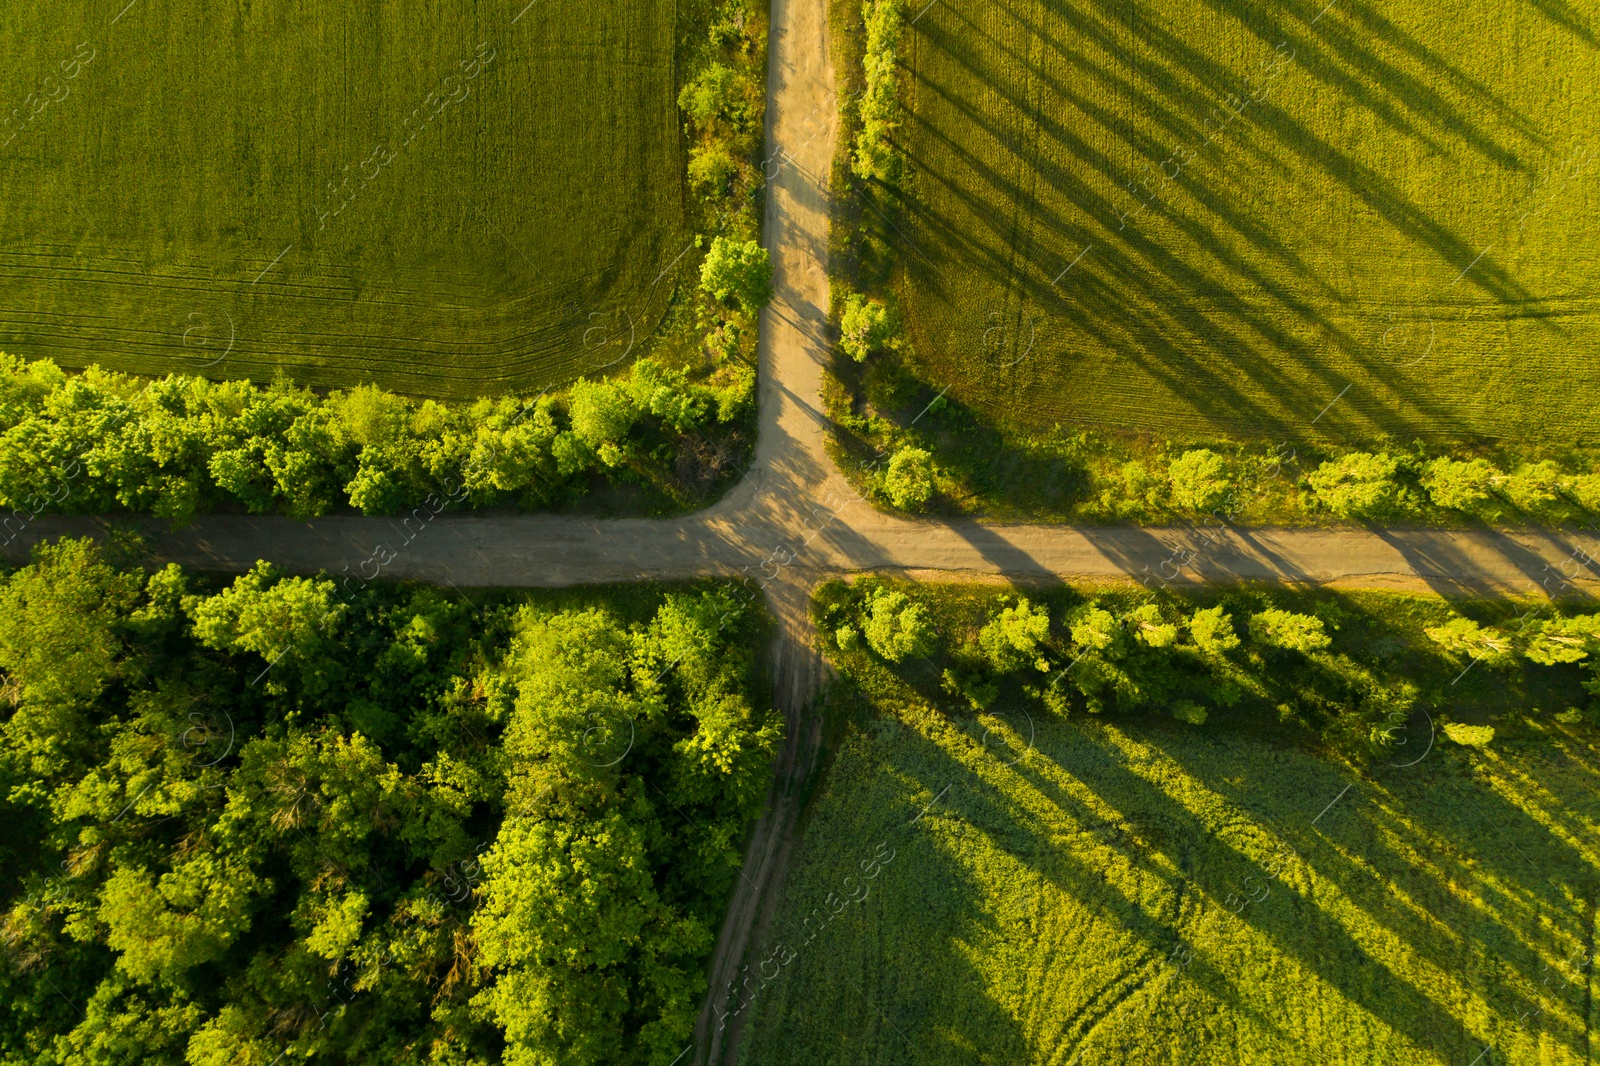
[270, 820]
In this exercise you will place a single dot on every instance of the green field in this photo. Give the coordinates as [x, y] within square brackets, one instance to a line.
[1236, 264]
[1017, 887]
[502, 230]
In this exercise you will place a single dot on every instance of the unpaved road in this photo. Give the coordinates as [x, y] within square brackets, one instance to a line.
[794, 518]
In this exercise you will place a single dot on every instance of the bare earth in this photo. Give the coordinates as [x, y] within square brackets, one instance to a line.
[794, 519]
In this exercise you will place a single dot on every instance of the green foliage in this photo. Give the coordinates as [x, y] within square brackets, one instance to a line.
[1350, 672]
[400, 841]
[864, 327]
[1459, 484]
[601, 903]
[177, 445]
[710, 96]
[712, 169]
[1200, 480]
[1358, 485]
[908, 482]
[602, 412]
[740, 272]
[1535, 487]
[875, 156]
[896, 628]
[1212, 630]
[1289, 631]
[1011, 641]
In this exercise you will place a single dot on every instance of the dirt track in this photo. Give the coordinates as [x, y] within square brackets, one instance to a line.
[794, 518]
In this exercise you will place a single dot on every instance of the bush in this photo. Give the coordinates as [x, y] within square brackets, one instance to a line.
[896, 628]
[742, 272]
[710, 95]
[1535, 487]
[712, 169]
[1292, 632]
[1189, 711]
[1212, 630]
[1459, 484]
[909, 479]
[1358, 485]
[1463, 636]
[602, 412]
[864, 327]
[1011, 640]
[1200, 480]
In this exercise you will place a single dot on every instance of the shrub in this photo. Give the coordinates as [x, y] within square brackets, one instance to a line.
[896, 628]
[710, 95]
[1189, 711]
[909, 479]
[1534, 487]
[1292, 632]
[1459, 484]
[602, 412]
[864, 327]
[1011, 640]
[1358, 485]
[1463, 636]
[738, 271]
[1151, 629]
[1200, 480]
[712, 169]
[1212, 630]
[1586, 490]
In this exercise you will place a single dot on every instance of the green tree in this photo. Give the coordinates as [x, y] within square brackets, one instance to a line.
[1486, 644]
[710, 94]
[740, 272]
[1212, 630]
[1011, 640]
[1536, 487]
[1358, 485]
[1562, 640]
[1200, 480]
[1459, 484]
[864, 327]
[897, 628]
[909, 480]
[602, 412]
[1150, 628]
[1278, 628]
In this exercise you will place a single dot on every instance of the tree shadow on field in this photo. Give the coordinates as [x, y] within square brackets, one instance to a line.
[1259, 362]
[1375, 848]
[1296, 926]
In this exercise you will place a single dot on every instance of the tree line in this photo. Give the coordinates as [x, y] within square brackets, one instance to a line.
[1354, 673]
[256, 821]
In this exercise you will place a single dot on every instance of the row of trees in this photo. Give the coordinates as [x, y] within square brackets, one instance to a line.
[875, 154]
[1185, 658]
[1359, 486]
[176, 445]
[270, 821]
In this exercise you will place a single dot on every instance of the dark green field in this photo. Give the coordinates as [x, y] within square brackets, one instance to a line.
[173, 208]
[1243, 219]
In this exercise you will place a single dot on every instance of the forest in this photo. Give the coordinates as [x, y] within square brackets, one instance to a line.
[264, 820]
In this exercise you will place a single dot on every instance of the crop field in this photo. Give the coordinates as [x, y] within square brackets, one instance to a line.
[1009, 889]
[448, 198]
[1310, 220]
